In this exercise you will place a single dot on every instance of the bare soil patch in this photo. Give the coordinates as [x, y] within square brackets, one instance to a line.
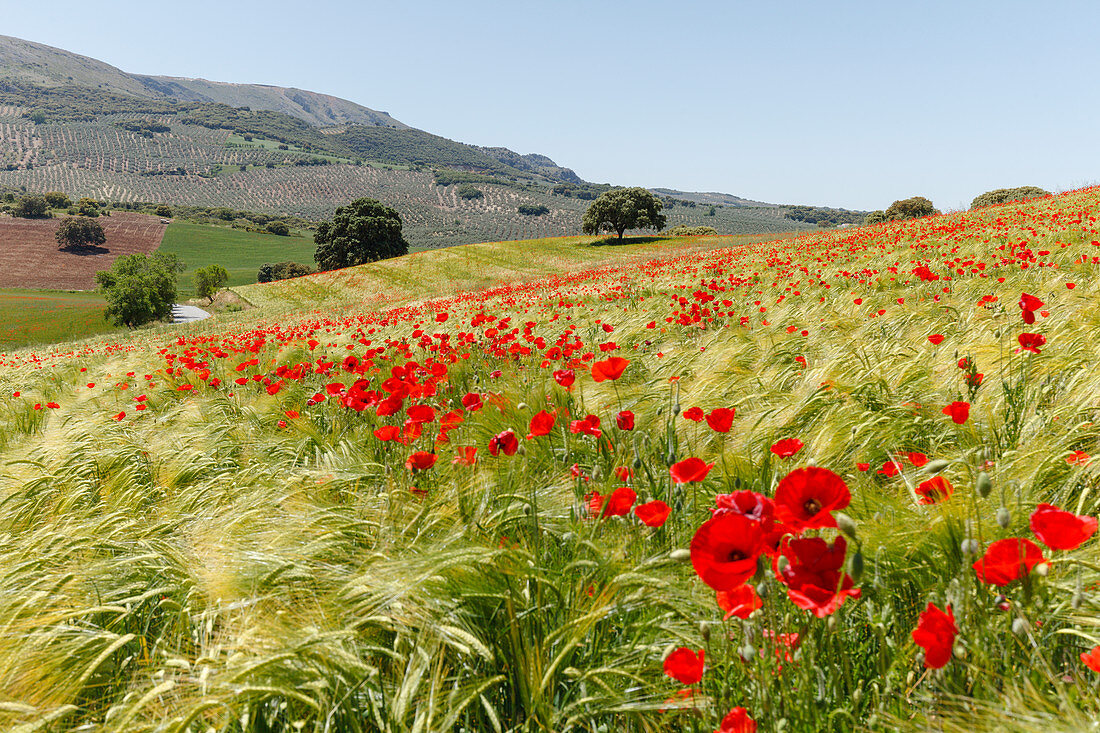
[29, 257]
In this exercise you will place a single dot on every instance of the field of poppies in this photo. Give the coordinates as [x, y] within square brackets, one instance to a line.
[836, 482]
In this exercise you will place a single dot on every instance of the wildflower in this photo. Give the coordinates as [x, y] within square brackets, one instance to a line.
[611, 369]
[619, 502]
[1092, 659]
[806, 498]
[720, 419]
[1061, 530]
[505, 442]
[689, 470]
[934, 490]
[935, 633]
[420, 461]
[740, 601]
[625, 420]
[725, 548]
[917, 459]
[787, 447]
[751, 504]
[936, 339]
[814, 579]
[541, 424]
[387, 432]
[472, 402]
[653, 513]
[695, 414]
[1028, 305]
[685, 666]
[1031, 342]
[465, 455]
[565, 377]
[1008, 560]
[1078, 458]
[958, 411]
[737, 720]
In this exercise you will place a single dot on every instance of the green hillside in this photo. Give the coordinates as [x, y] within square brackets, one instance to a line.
[240, 253]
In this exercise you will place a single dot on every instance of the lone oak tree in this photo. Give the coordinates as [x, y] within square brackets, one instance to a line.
[363, 231]
[622, 209]
[140, 289]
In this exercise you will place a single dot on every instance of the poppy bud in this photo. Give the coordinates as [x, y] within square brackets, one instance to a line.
[782, 564]
[521, 406]
[857, 695]
[855, 566]
[959, 651]
[597, 472]
[670, 458]
[762, 590]
[984, 484]
[1004, 517]
[846, 524]
[936, 466]
[910, 678]
[680, 555]
[676, 409]
[704, 631]
[1041, 569]
[747, 653]
[1019, 627]
[970, 547]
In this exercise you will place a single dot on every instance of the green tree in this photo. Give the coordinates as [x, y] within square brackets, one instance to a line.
[140, 288]
[32, 206]
[87, 207]
[209, 279]
[622, 209]
[57, 200]
[266, 273]
[78, 231]
[164, 211]
[278, 228]
[911, 208]
[363, 231]
[875, 217]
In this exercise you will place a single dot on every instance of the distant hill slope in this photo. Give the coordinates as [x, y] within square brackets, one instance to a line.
[42, 65]
[73, 124]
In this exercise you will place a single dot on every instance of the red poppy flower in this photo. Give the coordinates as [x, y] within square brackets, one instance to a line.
[725, 548]
[890, 469]
[1059, 529]
[52, 405]
[653, 513]
[387, 432]
[420, 413]
[814, 579]
[565, 377]
[917, 459]
[625, 420]
[787, 447]
[541, 424]
[420, 461]
[751, 504]
[472, 402]
[685, 666]
[689, 470]
[611, 369]
[958, 411]
[936, 339]
[935, 633]
[740, 601]
[720, 419]
[806, 498]
[934, 490]
[1092, 659]
[505, 442]
[737, 720]
[1028, 305]
[119, 416]
[964, 363]
[465, 455]
[1031, 342]
[619, 502]
[588, 426]
[1078, 458]
[695, 414]
[863, 467]
[1008, 560]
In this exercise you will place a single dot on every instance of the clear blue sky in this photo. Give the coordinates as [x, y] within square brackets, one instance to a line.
[849, 104]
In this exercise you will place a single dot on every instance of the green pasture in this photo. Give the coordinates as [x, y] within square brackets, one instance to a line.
[32, 317]
[240, 253]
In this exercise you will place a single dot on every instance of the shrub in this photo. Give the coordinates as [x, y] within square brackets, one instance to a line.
[140, 289]
[163, 211]
[32, 206]
[469, 191]
[1004, 195]
[533, 209]
[911, 208]
[875, 217]
[57, 200]
[278, 228]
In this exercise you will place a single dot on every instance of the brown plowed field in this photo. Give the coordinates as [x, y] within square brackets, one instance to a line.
[29, 257]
